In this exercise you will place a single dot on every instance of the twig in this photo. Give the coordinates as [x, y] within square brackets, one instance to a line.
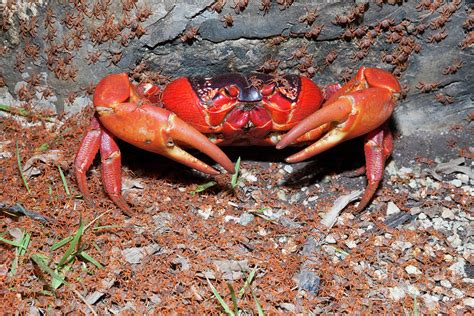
[83, 299]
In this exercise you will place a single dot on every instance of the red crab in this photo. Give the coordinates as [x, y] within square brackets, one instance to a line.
[233, 109]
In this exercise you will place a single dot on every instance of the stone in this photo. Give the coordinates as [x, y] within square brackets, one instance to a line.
[457, 293]
[412, 270]
[396, 293]
[136, 254]
[431, 301]
[330, 239]
[458, 268]
[469, 302]
[447, 213]
[308, 281]
[457, 183]
[93, 297]
[288, 307]
[288, 168]
[454, 240]
[232, 269]
[351, 244]
[281, 195]
[246, 218]
[446, 284]
[392, 208]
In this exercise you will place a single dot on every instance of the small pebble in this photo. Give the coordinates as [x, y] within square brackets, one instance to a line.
[457, 292]
[469, 302]
[446, 284]
[457, 183]
[351, 244]
[246, 218]
[447, 213]
[251, 178]
[422, 216]
[415, 211]
[288, 306]
[392, 208]
[396, 293]
[431, 301]
[412, 184]
[412, 270]
[288, 168]
[463, 177]
[454, 240]
[412, 290]
[404, 171]
[330, 239]
[281, 195]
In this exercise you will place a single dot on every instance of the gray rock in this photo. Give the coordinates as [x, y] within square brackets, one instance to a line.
[137, 254]
[245, 46]
[246, 218]
[232, 269]
[308, 281]
[93, 297]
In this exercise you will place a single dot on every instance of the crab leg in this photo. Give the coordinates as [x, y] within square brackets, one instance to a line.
[359, 107]
[377, 148]
[89, 147]
[111, 170]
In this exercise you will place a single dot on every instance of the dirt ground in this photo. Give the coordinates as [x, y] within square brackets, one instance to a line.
[410, 252]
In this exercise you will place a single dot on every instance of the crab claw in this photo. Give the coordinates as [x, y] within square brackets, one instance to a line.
[145, 125]
[360, 106]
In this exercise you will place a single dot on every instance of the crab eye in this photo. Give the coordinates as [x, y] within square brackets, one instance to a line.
[231, 91]
[268, 89]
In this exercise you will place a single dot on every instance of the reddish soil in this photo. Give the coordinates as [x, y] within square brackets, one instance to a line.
[182, 236]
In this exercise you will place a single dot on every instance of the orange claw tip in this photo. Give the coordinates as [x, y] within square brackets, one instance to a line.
[188, 135]
[112, 89]
[335, 112]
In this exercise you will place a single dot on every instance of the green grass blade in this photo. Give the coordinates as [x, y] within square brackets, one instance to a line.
[41, 262]
[25, 241]
[61, 243]
[73, 246]
[18, 160]
[235, 177]
[13, 110]
[415, 307]
[11, 242]
[248, 282]
[220, 299]
[43, 147]
[203, 187]
[56, 282]
[257, 304]
[234, 298]
[63, 179]
[20, 251]
[87, 257]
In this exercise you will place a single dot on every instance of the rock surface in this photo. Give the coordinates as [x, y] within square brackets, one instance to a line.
[69, 48]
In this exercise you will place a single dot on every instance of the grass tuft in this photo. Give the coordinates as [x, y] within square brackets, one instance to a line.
[18, 160]
[220, 299]
[63, 179]
[235, 177]
[203, 187]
